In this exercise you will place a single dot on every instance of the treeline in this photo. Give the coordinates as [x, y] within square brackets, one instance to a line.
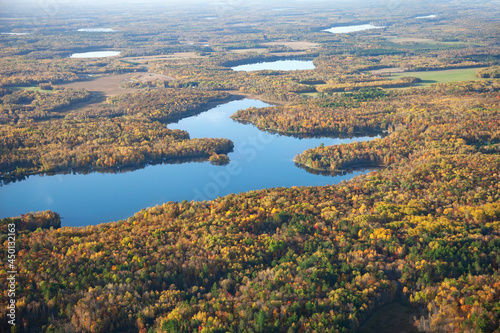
[333, 86]
[167, 105]
[490, 72]
[30, 222]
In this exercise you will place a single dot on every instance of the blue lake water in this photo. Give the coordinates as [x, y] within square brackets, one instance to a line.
[280, 65]
[260, 160]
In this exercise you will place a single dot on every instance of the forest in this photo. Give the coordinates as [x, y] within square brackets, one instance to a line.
[420, 228]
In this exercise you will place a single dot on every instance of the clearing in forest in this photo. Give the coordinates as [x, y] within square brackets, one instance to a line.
[449, 75]
[110, 85]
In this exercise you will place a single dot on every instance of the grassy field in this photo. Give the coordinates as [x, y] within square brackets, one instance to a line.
[34, 88]
[311, 94]
[449, 75]
[110, 85]
[429, 77]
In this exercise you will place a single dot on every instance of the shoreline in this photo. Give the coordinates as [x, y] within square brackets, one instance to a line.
[116, 169]
[351, 168]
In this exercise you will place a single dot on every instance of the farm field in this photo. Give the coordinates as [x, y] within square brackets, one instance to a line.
[111, 84]
[432, 77]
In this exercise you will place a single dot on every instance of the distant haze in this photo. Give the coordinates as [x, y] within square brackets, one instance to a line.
[9, 4]
[55, 7]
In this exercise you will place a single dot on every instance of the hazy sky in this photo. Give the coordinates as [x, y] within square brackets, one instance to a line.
[41, 3]
[25, 6]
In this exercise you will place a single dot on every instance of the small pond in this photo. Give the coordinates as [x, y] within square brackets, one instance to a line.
[352, 28]
[426, 17]
[95, 54]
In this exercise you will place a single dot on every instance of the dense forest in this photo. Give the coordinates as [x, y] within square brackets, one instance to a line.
[421, 229]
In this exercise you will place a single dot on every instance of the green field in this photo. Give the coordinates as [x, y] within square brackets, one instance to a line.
[430, 77]
[311, 94]
[34, 88]
[449, 75]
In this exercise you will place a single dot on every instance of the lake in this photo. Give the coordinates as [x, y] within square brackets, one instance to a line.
[15, 33]
[279, 65]
[352, 28]
[95, 54]
[260, 160]
[96, 30]
[426, 17]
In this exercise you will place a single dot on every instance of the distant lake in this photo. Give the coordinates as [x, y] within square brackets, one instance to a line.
[260, 160]
[15, 33]
[352, 28]
[95, 54]
[280, 65]
[96, 30]
[425, 17]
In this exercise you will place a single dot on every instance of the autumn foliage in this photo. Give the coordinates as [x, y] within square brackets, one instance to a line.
[423, 231]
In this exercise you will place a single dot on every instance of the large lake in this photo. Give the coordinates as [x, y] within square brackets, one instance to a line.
[352, 28]
[260, 160]
[279, 65]
[95, 54]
